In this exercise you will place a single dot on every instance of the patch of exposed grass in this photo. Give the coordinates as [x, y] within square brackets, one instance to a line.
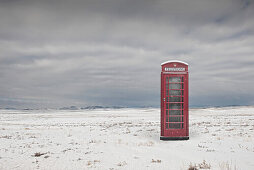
[122, 163]
[227, 166]
[203, 165]
[156, 161]
[38, 154]
[6, 137]
[193, 167]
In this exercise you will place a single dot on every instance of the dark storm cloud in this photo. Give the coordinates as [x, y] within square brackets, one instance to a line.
[56, 53]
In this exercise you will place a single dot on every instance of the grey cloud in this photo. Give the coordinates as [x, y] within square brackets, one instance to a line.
[56, 53]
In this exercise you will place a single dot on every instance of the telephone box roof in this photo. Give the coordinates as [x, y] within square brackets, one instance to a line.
[171, 61]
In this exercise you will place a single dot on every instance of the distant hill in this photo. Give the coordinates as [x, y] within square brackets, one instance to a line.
[90, 107]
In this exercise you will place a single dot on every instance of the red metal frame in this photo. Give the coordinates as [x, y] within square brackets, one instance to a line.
[174, 107]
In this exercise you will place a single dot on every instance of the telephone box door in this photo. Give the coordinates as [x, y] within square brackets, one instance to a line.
[174, 105]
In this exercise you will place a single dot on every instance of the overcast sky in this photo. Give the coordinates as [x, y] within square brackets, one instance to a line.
[56, 53]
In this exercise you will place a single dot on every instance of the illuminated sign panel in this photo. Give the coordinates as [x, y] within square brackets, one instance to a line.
[174, 69]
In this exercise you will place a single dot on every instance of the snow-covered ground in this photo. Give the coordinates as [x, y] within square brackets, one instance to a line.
[124, 139]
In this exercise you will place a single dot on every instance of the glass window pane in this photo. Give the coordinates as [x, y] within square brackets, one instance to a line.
[175, 126]
[174, 105]
[175, 92]
[175, 99]
[175, 86]
[175, 119]
[175, 112]
[174, 79]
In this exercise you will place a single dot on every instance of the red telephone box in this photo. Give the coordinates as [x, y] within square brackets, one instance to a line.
[174, 101]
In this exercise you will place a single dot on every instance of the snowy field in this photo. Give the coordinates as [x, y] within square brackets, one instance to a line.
[220, 138]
